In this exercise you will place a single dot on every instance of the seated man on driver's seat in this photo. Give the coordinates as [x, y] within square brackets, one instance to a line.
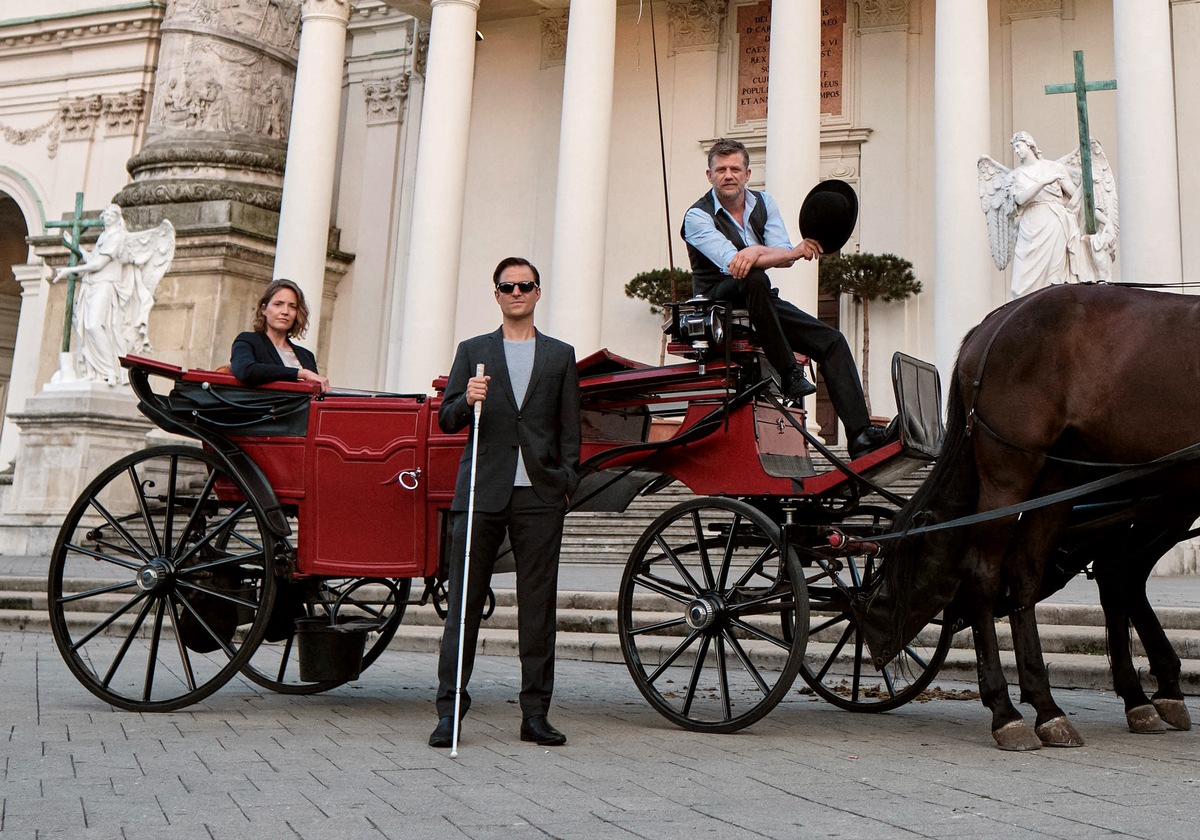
[733, 235]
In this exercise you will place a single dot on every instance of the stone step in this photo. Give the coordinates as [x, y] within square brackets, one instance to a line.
[1073, 637]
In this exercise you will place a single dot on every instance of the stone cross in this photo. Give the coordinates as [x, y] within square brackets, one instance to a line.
[76, 224]
[1080, 88]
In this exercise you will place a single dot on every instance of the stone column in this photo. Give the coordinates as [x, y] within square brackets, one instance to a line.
[1150, 244]
[964, 276]
[312, 153]
[425, 331]
[575, 287]
[23, 383]
[794, 128]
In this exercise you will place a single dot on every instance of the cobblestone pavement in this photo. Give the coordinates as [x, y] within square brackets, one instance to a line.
[353, 763]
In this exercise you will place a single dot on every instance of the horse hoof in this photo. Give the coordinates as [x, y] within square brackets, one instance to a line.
[1016, 736]
[1174, 712]
[1058, 732]
[1144, 720]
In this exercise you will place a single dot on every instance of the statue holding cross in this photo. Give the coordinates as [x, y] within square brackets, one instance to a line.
[1056, 221]
[110, 294]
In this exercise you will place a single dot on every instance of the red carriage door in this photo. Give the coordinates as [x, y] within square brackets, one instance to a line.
[364, 513]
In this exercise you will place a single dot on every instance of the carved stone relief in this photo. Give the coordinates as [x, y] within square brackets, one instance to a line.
[385, 99]
[882, 15]
[275, 23]
[695, 24]
[420, 48]
[1017, 9]
[554, 38]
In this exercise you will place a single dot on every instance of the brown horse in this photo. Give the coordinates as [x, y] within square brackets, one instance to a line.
[1051, 392]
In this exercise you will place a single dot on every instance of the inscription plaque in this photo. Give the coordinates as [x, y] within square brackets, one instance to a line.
[753, 51]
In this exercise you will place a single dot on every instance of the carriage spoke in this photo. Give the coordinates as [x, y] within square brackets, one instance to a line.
[104, 625]
[119, 658]
[662, 587]
[137, 548]
[697, 670]
[91, 593]
[723, 679]
[144, 510]
[152, 659]
[107, 558]
[747, 663]
[683, 571]
[184, 657]
[659, 627]
[209, 536]
[837, 651]
[705, 563]
[675, 654]
[760, 634]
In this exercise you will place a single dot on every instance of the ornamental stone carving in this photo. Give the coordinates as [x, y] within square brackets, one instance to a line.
[123, 112]
[1022, 9]
[77, 117]
[420, 50]
[385, 99]
[882, 15]
[274, 23]
[695, 24]
[554, 39]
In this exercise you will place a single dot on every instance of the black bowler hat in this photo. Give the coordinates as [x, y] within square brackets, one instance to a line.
[828, 214]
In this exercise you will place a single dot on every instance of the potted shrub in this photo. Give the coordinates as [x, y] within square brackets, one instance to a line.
[658, 288]
[868, 277]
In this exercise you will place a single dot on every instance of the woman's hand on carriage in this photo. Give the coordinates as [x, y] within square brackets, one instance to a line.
[305, 375]
[477, 389]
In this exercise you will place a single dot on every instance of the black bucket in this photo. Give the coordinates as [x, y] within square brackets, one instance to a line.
[331, 652]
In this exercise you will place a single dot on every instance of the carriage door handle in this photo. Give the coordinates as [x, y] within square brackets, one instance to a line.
[408, 479]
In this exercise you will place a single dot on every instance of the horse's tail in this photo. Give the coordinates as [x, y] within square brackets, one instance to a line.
[921, 572]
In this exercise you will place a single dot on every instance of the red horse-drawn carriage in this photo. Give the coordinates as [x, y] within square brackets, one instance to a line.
[284, 547]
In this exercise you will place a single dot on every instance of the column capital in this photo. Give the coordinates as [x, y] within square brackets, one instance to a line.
[335, 10]
[472, 4]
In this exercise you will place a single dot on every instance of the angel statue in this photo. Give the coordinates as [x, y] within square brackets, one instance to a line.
[117, 283]
[1035, 216]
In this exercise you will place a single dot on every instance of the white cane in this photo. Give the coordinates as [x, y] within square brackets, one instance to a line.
[466, 573]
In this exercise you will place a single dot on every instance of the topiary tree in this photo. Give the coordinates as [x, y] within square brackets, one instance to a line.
[868, 277]
[658, 288]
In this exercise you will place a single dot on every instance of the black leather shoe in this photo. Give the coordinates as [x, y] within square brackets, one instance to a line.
[872, 438]
[795, 385]
[537, 728]
[444, 734]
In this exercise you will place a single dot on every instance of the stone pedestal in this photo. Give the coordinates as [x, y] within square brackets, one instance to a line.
[69, 434]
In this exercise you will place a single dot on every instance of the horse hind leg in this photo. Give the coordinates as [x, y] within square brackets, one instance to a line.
[1140, 714]
[1164, 661]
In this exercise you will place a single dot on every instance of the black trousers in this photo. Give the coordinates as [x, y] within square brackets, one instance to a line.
[783, 328]
[534, 529]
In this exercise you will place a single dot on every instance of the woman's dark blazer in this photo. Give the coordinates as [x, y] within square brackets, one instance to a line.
[255, 360]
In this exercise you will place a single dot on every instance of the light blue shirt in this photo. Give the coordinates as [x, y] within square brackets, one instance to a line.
[700, 231]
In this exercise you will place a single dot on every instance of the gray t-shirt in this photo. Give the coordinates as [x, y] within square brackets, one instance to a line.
[519, 356]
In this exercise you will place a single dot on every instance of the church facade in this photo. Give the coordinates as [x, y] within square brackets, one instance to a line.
[452, 133]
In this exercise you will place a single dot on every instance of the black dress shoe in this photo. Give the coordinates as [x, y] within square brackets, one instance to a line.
[537, 728]
[795, 385]
[872, 438]
[444, 734]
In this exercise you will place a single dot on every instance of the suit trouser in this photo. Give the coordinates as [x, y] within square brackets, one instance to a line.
[783, 328]
[535, 533]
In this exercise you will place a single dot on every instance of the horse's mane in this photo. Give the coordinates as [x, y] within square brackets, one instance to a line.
[914, 564]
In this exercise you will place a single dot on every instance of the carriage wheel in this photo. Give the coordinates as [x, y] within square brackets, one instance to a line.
[837, 665]
[704, 597]
[161, 581]
[276, 663]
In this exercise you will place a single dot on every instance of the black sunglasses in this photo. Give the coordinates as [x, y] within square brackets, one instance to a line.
[526, 287]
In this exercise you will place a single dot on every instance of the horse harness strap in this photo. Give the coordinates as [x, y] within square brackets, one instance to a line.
[977, 383]
[1131, 473]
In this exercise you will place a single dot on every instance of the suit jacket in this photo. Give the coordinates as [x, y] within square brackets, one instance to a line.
[255, 360]
[545, 427]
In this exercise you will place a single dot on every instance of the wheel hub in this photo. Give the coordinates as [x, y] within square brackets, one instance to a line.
[155, 575]
[704, 611]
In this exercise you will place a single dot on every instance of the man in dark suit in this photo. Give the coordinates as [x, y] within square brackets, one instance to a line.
[528, 460]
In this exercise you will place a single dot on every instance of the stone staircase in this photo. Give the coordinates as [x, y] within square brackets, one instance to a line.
[1073, 636]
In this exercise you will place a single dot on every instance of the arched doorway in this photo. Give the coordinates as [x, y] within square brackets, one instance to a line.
[13, 251]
